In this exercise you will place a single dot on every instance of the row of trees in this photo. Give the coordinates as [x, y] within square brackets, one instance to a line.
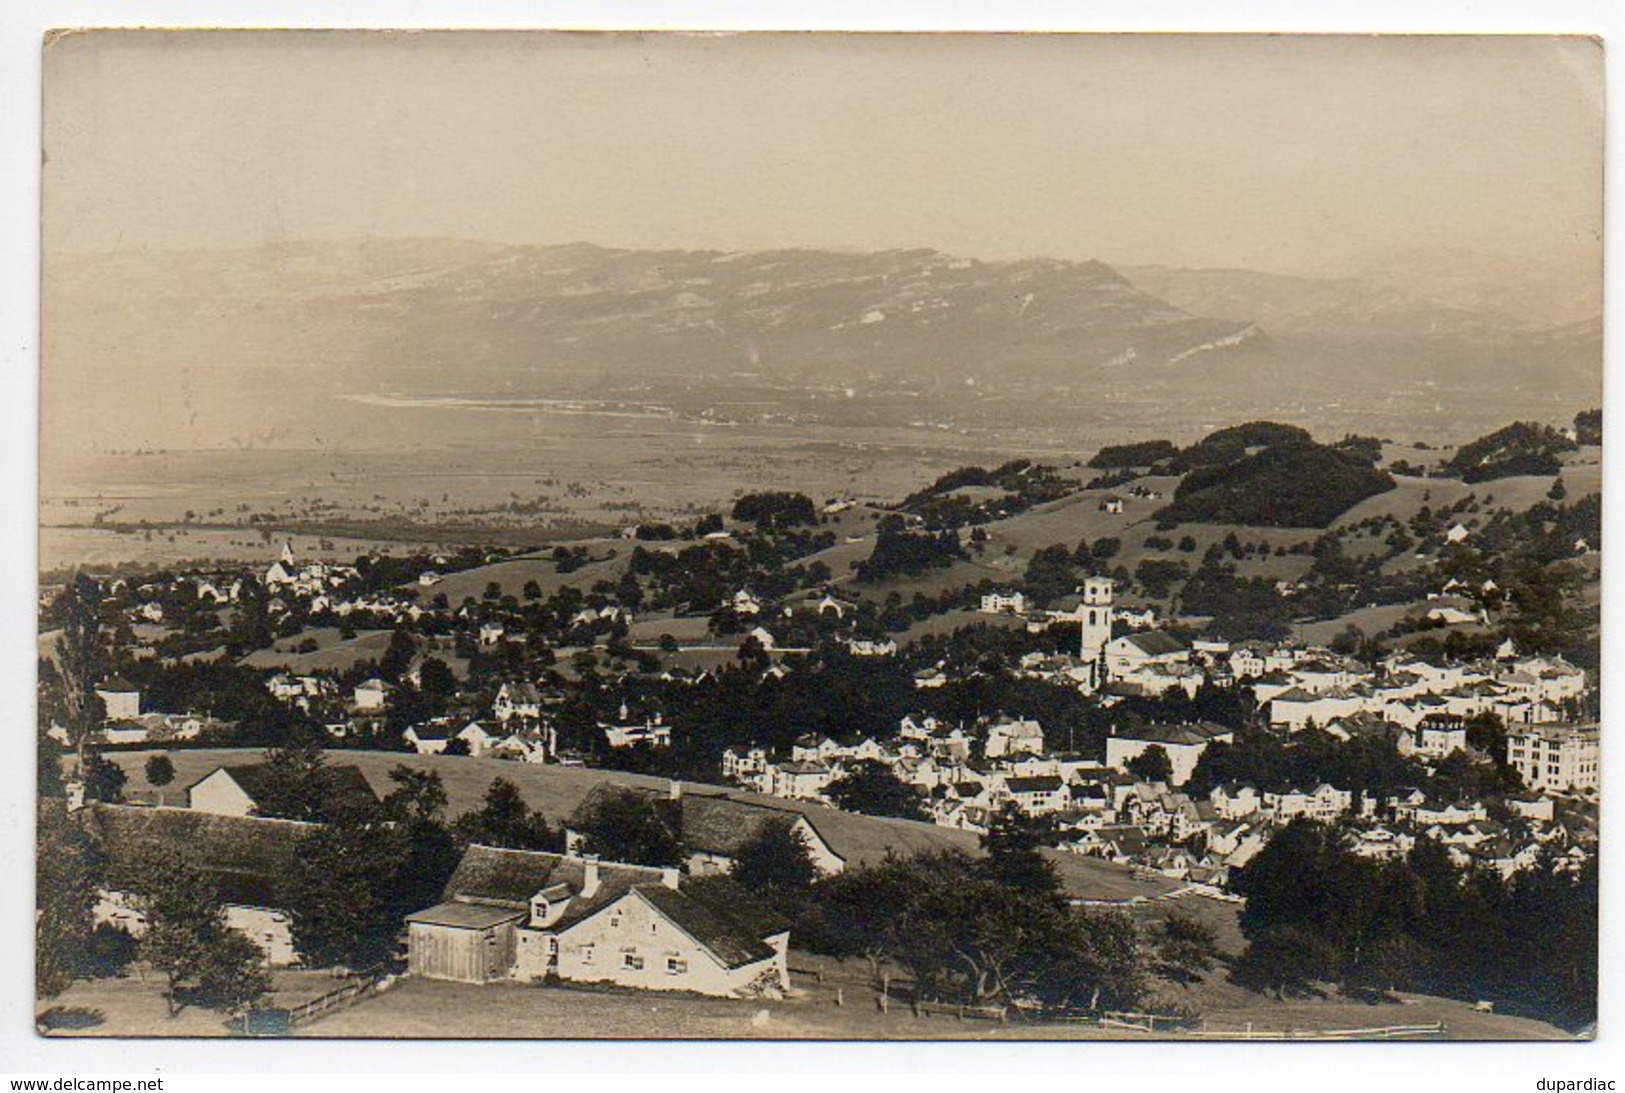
[994, 929]
[1318, 913]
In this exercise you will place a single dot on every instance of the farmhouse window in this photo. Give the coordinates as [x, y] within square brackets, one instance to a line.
[633, 961]
[676, 966]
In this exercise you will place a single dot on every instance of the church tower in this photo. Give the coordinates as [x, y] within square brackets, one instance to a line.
[1096, 623]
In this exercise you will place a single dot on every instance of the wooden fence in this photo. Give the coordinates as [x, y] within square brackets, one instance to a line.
[1381, 1032]
[338, 998]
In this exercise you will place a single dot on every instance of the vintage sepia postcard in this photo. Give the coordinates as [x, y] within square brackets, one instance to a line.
[819, 536]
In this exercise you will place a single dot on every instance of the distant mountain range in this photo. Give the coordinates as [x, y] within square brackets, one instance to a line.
[797, 332]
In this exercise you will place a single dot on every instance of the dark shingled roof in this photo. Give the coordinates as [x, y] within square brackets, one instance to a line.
[712, 823]
[344, 785]
[1156, 643]
[247, 857]
[1038, 783]
[1190, 732]
[726, 939]
[509, 878]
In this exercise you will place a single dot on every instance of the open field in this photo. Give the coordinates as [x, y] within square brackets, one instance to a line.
[334, 654]
[1370, 620]
[556, 791]
[133, 1004]
[180, 546]
[552, 472]
[429, 1009]
[513, 573]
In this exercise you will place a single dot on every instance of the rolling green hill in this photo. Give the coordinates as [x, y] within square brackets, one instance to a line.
[1303, 485]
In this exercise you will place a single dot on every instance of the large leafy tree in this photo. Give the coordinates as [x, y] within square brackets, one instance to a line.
[871, 788]
[1152, 765]
[102, 778]
[340, 894]
[294, 787]
[160, 770]
[631, 827]
[81, 659]
[417, 806]
[776, 864]
[1185, 946]
[962, 935]
[1014, 843]
[188, 942]
[66, 871]
[504, 819]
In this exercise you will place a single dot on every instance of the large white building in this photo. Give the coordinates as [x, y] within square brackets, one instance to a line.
[1555, 756]
[122, 700]
[1183, 744]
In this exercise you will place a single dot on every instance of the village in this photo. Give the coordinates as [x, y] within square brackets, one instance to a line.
[755, 696]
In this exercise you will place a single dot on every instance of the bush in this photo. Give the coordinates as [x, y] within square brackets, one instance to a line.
[1143, 454]
[1520, 448]
[160, 770]
[775, 509]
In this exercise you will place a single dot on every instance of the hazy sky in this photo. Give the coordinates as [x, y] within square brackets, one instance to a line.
[1248, 151]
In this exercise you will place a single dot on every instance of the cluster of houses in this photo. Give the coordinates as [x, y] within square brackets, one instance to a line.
[1310, 686]
[966, 774]
[504, 914]
[1299, 685]
[1155, 827]
[126, 722]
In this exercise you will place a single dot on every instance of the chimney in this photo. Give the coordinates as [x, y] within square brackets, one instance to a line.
[589, 884]
[675, 790]
[669, 876]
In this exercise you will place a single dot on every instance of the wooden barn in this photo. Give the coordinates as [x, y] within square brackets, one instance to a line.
[465, 942]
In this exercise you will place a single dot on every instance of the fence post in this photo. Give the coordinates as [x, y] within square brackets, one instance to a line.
[838, 999]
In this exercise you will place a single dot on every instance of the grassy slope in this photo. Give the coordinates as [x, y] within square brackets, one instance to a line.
[513, 573]
[429, 1009]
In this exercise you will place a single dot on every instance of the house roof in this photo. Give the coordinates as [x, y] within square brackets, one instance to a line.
[712, 823]
[1042, 783]
[1295, 694]
[344, 786]
[726, 939]
[1155, 643]
[521, 692]
[1185, 733]
[117, 685]
[246, 857]
[509, 878]
[468, 916]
